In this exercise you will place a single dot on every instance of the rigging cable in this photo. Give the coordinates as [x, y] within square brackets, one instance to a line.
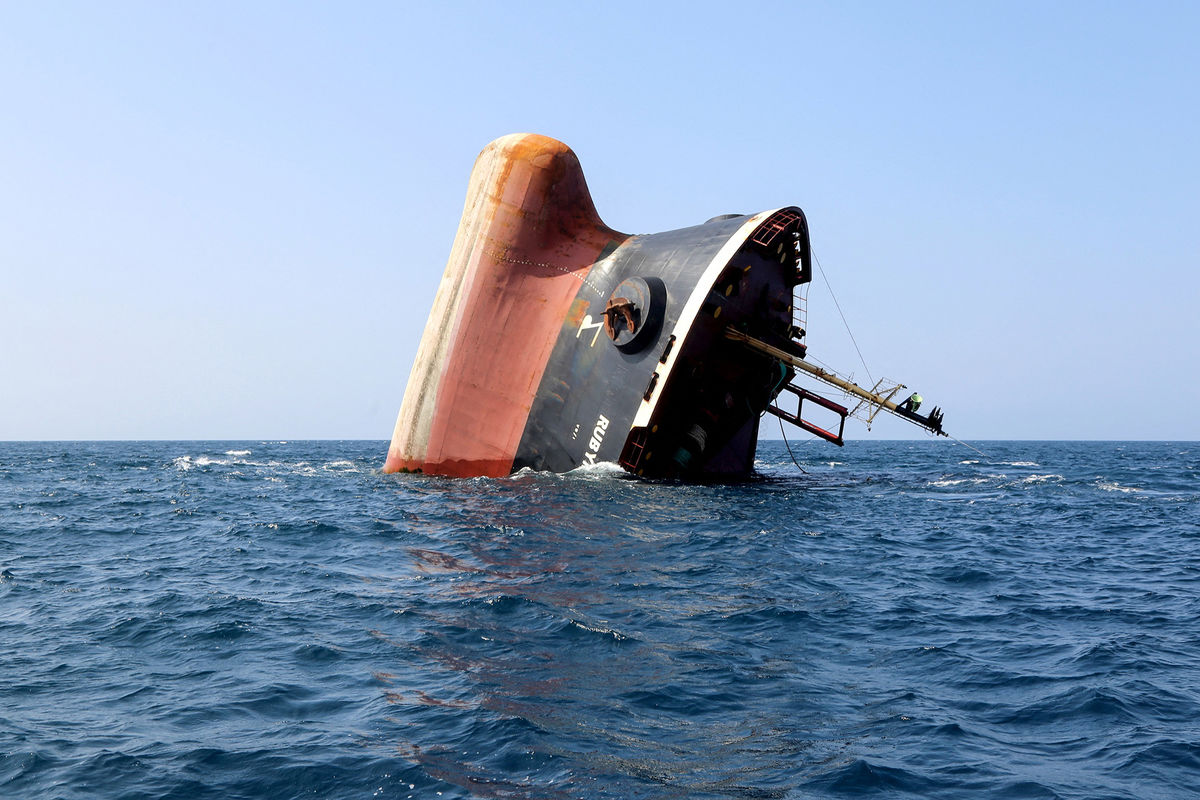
[964, 444]
[843, 316]
[789, 447]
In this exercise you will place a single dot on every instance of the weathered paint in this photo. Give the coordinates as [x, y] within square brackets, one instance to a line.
[515, 368]
[528, 236]
[589, 375]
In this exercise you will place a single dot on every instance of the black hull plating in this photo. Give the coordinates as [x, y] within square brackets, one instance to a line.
[675, 397]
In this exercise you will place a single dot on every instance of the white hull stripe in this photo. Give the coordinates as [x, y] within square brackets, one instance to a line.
[691, 309]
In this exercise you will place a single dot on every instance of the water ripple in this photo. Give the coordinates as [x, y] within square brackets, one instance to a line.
[278, 619]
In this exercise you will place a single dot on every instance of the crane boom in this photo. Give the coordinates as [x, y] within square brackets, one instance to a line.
[931, 422]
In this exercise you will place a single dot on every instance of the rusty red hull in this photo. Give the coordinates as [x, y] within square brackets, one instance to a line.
[528, 237]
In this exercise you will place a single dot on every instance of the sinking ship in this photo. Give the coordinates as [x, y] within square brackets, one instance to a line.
[556, 342]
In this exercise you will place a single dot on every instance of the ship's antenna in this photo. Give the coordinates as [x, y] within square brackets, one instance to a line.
[843, 316]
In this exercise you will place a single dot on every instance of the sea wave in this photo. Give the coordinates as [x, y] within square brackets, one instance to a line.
[1113, 486]
[258, 619]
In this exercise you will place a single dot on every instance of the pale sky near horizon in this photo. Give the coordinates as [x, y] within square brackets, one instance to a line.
[228, 220]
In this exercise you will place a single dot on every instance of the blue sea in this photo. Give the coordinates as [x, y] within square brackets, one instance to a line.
[891, 619]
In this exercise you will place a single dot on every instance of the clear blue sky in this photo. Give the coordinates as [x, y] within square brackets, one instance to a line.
[228, 220]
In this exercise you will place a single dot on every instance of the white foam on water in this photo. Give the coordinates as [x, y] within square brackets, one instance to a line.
[237, 452]
[1113, 486]
[951, 482]
[1048, 478]
[205, 461]
[960, 481]
[599, 470]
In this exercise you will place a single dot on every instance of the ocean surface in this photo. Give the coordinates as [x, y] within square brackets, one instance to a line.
[895, 619]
